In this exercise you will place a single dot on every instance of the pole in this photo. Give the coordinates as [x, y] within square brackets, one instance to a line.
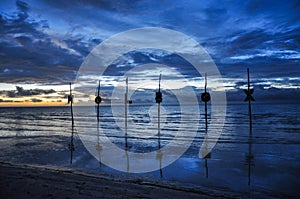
[98, 105]
[126, 114]
[249, 98]
[158, 99]
[98, 100]
[249, 103]
[205, 104]
[250, 132]
[158, 116]
[71, 105]
[205, 97]
[71, 145]
[126, 103]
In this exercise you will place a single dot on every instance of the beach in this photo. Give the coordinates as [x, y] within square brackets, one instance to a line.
[32, 181]
[35, 158]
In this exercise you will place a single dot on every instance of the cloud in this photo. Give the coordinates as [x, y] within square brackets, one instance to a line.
[48, 47]
[29, 53]
[3, 101]
[119, 6]
[35, 100]
[20, 92]
[267, 95]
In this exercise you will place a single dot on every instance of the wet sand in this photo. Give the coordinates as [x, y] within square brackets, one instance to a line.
[31, 181]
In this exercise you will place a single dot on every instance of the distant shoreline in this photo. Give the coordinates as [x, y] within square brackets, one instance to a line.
[121, 105]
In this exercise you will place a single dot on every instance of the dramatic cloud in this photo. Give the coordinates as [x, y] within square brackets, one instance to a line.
[267, 95]
[3, 101]
[35, 100]
[30, 54]
[20, 92]
[45, 42]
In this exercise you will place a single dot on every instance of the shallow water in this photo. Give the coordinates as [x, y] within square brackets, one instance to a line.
[41, 136]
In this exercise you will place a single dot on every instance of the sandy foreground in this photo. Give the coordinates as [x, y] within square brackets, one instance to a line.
[31, 181]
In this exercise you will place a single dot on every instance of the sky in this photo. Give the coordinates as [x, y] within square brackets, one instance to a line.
[43, 43]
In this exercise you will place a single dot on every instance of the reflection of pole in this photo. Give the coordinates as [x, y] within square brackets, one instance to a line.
[158, 99]
[158, 125]
[160, 164]
[250, 158]
[206, 168]
[98, 146]
[71, 144]
[159, 146]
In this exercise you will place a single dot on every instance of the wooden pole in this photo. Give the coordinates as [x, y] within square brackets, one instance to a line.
[98, 105]
[98, 100]
[249, 103]
[126, 114]
[158, 115]
[205, 104]
[71, 104]
[71, 145]
[158, 99]
[249, 98]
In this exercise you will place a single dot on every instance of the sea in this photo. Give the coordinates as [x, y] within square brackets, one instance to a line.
[262, 163]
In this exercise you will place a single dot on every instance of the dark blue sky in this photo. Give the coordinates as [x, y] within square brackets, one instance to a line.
[43, 42]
